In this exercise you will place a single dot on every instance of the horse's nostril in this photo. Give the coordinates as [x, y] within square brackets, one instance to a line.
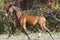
[6, 14]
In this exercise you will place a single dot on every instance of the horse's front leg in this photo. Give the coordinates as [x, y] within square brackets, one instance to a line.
[11, 31]
[24, 28]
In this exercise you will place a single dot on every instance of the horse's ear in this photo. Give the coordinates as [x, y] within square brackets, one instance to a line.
[10, 5]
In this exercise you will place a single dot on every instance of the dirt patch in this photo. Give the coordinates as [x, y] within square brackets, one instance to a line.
[32, 36]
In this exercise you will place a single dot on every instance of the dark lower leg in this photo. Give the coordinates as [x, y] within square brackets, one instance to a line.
[26, 34]
[50, 34]
[11, 31]
[47, 30]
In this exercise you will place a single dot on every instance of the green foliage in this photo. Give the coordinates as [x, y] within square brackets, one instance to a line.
[1, 24]
[1, 4]
[5, 24]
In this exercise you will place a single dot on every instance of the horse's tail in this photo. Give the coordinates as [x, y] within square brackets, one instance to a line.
[51, 16]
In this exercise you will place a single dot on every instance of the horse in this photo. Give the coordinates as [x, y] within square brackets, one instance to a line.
[24, 19]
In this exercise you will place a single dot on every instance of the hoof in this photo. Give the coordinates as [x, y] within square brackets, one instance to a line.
[38, 36]
[29, 39]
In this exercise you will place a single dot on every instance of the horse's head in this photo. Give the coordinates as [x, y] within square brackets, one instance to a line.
[13, 9]
[8, 10]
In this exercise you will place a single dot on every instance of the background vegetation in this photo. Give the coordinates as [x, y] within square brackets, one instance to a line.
[5, 24]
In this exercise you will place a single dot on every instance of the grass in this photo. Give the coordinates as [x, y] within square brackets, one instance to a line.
[1, 4]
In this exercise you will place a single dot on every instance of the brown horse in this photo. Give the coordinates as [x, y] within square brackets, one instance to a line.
[24, 19]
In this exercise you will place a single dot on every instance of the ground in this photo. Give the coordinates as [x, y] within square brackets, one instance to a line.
[33, 36]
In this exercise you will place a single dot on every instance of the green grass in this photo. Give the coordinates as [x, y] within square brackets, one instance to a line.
[1, 4]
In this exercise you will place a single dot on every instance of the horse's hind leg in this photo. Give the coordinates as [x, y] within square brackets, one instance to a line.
[47, 30]
[40, 31]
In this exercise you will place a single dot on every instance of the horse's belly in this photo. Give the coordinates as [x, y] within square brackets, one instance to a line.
[32, 21]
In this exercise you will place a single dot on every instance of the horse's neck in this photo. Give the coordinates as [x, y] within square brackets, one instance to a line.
[16, 8]
[18, 14]
[15, 14]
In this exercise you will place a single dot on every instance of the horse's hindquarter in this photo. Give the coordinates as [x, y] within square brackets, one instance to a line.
[42, 19]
